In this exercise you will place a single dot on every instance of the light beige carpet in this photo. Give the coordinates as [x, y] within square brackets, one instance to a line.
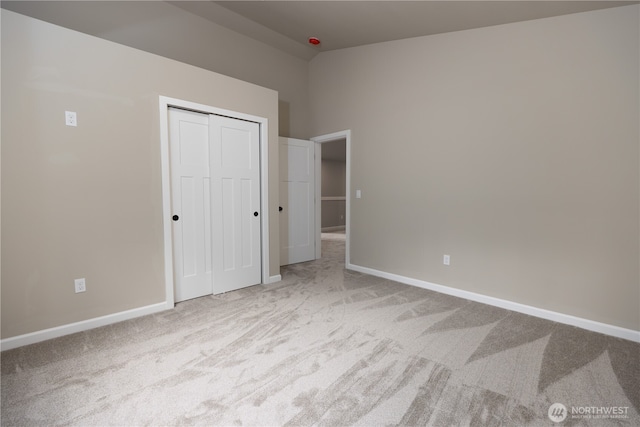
[324, 347]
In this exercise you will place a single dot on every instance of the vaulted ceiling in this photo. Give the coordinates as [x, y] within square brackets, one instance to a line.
[287, 25]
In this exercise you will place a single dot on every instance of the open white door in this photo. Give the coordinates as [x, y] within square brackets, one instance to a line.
[297, 201]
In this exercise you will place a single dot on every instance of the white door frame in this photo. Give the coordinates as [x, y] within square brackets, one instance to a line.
[164, 104]
[346, 135]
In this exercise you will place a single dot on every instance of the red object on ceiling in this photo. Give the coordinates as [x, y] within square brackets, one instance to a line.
[314, 41]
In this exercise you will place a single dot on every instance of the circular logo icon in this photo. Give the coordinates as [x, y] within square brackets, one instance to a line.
[557, 412]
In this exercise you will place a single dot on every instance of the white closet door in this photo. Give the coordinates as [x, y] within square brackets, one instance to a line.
[235, 208]
[190, 198]
[215, 194]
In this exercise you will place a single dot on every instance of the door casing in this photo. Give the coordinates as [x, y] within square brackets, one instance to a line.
[164, 103]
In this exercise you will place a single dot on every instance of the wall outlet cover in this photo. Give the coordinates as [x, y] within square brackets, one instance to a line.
[80, 285]
[70, 118]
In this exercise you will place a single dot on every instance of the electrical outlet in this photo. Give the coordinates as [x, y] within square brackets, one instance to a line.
[446, 260]
[70, 118]
[81, 285]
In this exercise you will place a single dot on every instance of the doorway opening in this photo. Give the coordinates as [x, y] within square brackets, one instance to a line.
[330, 207]
[333, 196]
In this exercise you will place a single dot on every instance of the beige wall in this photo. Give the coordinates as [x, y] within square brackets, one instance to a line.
[515, 149]
[87, 201]
[333, 212]
[166, 30]
[333, 178]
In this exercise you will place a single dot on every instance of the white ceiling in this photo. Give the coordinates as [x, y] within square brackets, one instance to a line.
[343, 24]
[287, 25]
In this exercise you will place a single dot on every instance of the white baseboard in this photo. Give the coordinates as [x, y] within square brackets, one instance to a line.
[603, 328]
[274, 279]
[72, 328]
[85, 325]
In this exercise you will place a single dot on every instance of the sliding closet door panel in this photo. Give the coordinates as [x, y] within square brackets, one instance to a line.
[235, 170]
[191, 200]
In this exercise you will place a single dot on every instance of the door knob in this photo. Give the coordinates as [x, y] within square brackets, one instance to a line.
[280, 208]
[255, 214]
[176, 217]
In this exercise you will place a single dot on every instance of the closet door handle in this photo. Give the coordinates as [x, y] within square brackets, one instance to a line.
[255, 213]
[280, 209]
[176, 217]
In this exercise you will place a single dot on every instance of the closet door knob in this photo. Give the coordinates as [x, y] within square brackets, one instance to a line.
[176, 217]
[280, 208]
[255, 214]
